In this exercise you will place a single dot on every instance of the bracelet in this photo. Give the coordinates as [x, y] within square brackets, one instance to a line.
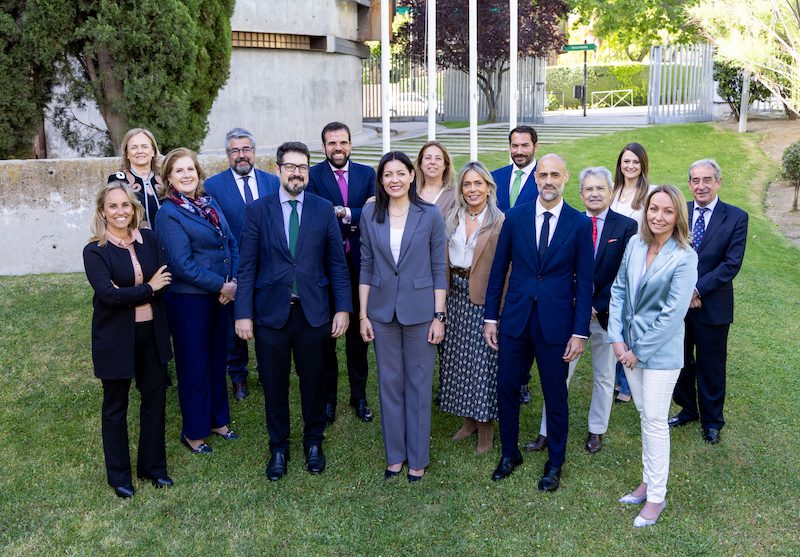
[362, 318]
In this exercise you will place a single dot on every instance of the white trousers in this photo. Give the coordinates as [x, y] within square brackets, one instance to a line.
[604, 371]
[651, 390]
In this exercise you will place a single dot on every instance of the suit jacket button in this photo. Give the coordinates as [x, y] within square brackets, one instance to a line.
[222, 247]
[395, 273]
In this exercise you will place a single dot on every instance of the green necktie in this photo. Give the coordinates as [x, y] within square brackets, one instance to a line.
[294, 229]
[515, 187]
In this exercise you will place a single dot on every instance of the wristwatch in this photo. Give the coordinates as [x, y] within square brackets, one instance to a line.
[339, 209]
[441, 316]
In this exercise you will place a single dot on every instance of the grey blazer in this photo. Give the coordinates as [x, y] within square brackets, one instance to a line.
[650, 320]
[404, 289]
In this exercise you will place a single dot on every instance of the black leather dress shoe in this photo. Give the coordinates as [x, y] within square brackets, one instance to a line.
[539, 444]
[362, 410]
[276, 467]
[330, 413]
[551, 478]
[240, 391]
[389, 474]
[158, 483]
[524, 395]
[506, 466]
[124, 491]
[315, 459]
[678, 421]
[711, 435]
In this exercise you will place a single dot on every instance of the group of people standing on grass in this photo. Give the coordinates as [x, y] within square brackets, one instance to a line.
[492, 271]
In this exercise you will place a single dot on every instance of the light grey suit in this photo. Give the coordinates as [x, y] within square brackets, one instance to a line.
[400, 307]
[650, 320]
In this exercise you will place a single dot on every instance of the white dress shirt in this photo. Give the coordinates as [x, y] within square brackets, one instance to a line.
[526, 172]
[284, 198]
[707, 216]
[251, 183]
[460, 248]
[555, 211]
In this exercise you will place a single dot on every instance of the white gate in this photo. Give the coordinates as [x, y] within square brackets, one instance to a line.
[681, 84]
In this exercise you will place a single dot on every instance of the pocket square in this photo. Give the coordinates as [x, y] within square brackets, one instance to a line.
[612, 240]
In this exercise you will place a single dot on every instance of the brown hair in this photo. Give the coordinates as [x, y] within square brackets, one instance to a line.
[447, 176]
[168, 164]
[126, 164]
[642, 183]
[99, 225]
[681, 230]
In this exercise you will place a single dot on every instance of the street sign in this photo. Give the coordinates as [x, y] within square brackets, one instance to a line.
[578, 47]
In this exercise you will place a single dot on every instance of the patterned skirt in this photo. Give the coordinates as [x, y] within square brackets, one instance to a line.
[467, 367]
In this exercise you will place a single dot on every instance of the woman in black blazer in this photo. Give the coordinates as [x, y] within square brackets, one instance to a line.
[130, 336]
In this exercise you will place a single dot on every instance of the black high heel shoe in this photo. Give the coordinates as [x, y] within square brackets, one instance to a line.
[202, 448]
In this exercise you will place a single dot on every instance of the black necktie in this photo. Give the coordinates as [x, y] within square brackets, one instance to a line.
[544, 235]
[248, 195]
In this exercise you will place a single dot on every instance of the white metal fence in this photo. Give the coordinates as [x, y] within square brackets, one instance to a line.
[681, 84]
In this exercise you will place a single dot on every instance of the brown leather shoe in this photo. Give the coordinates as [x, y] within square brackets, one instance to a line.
[539, 444]
[594, 442]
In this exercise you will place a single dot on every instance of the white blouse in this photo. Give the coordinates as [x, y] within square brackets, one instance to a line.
[395, 240]
[624, 207]
[461, 248]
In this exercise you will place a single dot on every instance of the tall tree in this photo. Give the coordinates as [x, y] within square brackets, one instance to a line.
[152, 63]
[632, 26]
[538, 33]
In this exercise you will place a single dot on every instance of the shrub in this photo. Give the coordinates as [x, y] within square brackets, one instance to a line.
[791, 168]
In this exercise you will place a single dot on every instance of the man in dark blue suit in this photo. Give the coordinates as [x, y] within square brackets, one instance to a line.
[291, 268]
[516, 184]
[719, 234]
[548, 305]
[347, 185]
[233, 189]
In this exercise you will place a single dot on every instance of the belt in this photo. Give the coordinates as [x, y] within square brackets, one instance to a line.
[294, 300]
[460, 271]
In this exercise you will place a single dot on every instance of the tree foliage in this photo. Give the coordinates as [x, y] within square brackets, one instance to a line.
[763, 37]
[730, 79]
[538, 34]
[632, 26]
[151, 63]
[791, 168]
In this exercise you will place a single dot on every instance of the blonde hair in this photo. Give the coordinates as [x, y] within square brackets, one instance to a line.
[126, 164]
[493, 213]
[681, 231]
[99, 227]
[447, 176]
[169, 162]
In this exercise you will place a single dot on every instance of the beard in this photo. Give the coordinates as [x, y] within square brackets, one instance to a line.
[294, 189]
[242, 167]
[338, 164]
[550, 195]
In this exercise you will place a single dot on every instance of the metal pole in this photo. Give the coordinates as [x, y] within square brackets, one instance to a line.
[432, 103]
[386, 102]
[473, 79]
[513, 41]
[745, 102]
[584, 80]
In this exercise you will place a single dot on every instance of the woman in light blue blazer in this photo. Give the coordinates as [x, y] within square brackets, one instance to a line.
[402, 288]
[649, 300]
[203, 257]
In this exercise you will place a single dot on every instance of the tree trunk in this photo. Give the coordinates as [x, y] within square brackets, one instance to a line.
[485, 83]
[107, 89]
[796, 191]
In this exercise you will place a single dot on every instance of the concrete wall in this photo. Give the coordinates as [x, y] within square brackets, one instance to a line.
[46, 207]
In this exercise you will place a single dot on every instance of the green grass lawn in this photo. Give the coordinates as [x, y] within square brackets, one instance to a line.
[741, 497]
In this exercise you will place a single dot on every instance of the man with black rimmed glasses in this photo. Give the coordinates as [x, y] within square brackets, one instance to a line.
[233, 189]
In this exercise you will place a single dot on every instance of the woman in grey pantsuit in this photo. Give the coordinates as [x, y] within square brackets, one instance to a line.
[402, 291]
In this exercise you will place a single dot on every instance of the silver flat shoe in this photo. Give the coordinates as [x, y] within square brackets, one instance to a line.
[641, 522]
[631, 499]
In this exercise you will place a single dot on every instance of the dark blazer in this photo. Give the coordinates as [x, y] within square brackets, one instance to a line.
[360, 187]
[720, 257]
[200, 259]
[268, 269]
[110, 272]
[502, 178]
[561, 285]
[222, 187]
[617, 230]
[404, 288]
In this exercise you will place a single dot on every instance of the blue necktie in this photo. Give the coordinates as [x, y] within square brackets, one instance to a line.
[699, 228]
[544, 235]
[248, 195]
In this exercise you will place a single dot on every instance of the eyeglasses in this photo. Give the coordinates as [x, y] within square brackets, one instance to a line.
[289, 167]
[142, 147]
[244, 150]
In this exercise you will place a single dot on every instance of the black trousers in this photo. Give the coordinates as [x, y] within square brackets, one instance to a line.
[355, 350]
[151, 380]
[274, 350]
[700, 390]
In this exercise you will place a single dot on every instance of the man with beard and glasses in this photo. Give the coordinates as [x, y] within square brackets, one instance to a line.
[293, 295]
[233, 190]
[347, 185]
[547, 245]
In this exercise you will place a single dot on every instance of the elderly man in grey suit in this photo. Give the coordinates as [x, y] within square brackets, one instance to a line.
[402, 290]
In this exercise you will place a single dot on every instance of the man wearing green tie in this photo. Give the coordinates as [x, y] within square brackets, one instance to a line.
[516, 184]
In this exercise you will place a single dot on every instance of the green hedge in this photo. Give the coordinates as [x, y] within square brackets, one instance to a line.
[600, 78]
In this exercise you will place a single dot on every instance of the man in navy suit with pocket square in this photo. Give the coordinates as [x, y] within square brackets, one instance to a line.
[233, 190]
[718, 233]
[347, 185]
[548, 247]
[610, 234]
[291, 268]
